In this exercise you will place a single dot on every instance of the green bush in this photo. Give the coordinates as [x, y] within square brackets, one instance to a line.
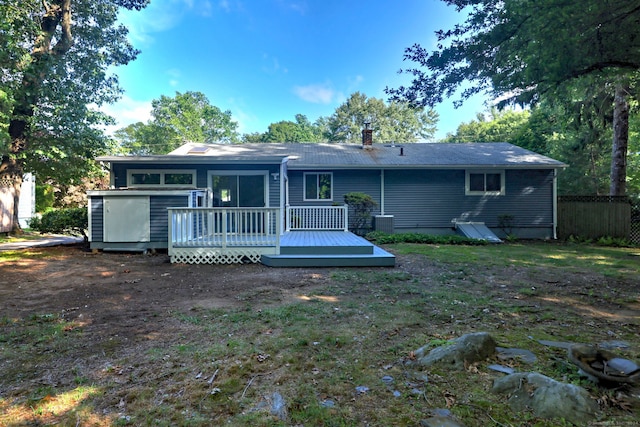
[616, 242]
[45, 197]
[384, 238]
[72, 221]
[361, 205]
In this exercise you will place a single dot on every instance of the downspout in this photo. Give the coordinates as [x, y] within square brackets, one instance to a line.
[555, 204]
[381, 191]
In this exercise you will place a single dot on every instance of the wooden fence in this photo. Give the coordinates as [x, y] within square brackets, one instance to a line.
[594, 216]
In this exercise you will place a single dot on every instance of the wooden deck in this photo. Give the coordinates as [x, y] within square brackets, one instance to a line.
[316, 237]
[327, 249]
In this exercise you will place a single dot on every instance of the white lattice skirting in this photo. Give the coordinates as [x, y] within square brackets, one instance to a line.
[216, 256]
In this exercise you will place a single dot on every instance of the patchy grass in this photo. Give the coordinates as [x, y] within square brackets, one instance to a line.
[222, 365]
[26, 235]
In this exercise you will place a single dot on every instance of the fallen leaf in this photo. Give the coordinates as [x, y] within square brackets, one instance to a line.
[449, 398]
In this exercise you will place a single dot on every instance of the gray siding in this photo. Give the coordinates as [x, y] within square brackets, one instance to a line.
[97, 219]
[432, 199]
[344, 181]
[158, 216]
[159, 219]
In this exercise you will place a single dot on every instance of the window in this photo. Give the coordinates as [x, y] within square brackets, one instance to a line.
[480, 183]
[170, 178]
[238, 189]
[318, 186]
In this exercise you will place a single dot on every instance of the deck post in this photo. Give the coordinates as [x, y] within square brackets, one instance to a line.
[287, 225]
[224, 228]
[170, 234]
[346, 218]
[278, 232]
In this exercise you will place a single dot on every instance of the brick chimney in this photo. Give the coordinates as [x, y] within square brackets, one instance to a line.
[367, 136]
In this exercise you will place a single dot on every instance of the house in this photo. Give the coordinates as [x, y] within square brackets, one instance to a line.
[274, 203]
[26, 206]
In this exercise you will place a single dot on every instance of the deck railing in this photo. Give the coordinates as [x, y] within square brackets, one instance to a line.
[224, 227]
[317, 218]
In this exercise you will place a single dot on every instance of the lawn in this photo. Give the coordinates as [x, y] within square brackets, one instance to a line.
[122, 339]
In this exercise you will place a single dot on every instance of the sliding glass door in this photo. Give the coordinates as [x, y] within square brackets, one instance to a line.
[238, 190]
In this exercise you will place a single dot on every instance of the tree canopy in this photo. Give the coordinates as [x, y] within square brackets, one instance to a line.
[494, 126]
[187, 117]
[55, 61]
[302, 130]
[392, 122]
[519, 51]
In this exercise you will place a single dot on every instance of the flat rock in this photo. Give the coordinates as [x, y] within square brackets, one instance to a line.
[547, 397]
[557, 344]
[469, 348]
[502, 368]
[440, 421]
[278, 406]
[523, 355]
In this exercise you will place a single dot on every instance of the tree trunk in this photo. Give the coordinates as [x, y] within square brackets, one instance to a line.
[57, 13]
[620, 142]
[12, 173]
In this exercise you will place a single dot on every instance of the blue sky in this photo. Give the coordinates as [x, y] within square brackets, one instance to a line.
[268, 60]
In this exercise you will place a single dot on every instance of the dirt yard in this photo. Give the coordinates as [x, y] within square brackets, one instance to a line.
[124, 301]
[121, 294]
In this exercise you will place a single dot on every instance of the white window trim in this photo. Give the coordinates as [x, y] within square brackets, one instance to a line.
[212, 173]
[162, 172]
[304, 186]
[467, 190]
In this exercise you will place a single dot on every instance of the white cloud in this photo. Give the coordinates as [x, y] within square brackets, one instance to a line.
[300, 7]
[224, 5]
[272, 65]
[160, 16]
[315, 93]
[174, 76]
[356, 81]
[127, 111]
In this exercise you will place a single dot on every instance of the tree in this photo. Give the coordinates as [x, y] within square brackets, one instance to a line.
[522, 50]
[494, 126]
[393, 122]
[143, 139]
[188, 117]
[302, 130]
[54, 64]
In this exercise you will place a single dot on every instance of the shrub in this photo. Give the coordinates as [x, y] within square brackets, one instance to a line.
[72, 221]
[44, 197]
[384, 238]
[360, 205]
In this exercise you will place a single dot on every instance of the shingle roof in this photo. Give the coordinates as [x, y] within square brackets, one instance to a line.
[349, 156]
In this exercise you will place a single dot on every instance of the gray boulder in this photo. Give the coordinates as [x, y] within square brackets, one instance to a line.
[547, 398]
[469, 348]
[440, 421]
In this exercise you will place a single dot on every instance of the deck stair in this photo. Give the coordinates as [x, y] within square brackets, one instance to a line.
[327, 249]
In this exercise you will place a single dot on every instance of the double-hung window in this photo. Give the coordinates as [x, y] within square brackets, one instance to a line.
[480, 183]
[318, 186]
